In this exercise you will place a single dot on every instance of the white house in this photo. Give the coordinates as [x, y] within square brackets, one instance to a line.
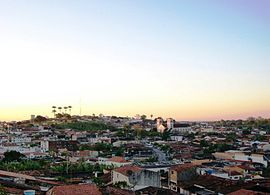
[116, 161]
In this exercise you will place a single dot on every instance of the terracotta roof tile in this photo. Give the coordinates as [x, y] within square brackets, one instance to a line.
[182, 167]
[81, 189]
[118, 159]
[124, 169]
[244, 192]
[117, 191]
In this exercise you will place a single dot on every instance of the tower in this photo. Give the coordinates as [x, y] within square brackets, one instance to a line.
[159, 121]
[170, 123]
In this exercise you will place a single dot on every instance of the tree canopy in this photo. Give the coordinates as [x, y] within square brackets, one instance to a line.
[12, 155]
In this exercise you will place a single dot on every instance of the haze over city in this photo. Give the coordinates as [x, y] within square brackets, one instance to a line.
[190, 60]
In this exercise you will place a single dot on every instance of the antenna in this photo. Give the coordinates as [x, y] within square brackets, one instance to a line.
[80, 106]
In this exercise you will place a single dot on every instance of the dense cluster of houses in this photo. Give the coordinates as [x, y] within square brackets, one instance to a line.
[179, 164]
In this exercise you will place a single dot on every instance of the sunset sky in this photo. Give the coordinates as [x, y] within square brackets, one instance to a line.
[186, 59]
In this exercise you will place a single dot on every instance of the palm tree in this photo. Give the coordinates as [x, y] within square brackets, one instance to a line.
[151, 121]
[126, 129]
[138, 130]
[69, 107]
[60, 109]
[143, 118]
[54, 110]
[65, 108]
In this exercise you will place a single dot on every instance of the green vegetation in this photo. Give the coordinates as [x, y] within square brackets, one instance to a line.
[81, 167]
[24, 165]
[231, 137]
[40, 119]
[266, 172]
[249, 124]
[152, 159]
[103, 147]
[151, 134]
[12, 155]
[98, 181]
[85, 126]
[258, 137]
[2, 190]
[208, 149]
[166, 135]
[119, 151]
[75, 168]
[120, 184]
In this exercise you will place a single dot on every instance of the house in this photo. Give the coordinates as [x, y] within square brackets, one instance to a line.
[79, 189]
[84, 155]
[20, 139]
[136, 177]
[247, 192]
[182, 172]
[116, 191]
[137, 152]
[241, 156]
[116, 161]
[70, 145]
[155, 191]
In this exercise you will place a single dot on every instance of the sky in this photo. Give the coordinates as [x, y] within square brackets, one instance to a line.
[185, 59]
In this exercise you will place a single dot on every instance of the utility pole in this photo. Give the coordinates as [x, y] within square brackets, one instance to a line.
[80, 107]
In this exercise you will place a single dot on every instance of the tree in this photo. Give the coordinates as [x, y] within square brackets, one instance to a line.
[70, 107]
[126, 129]
[2, 190]
[39, 119]
[143, 117]
[59, 115]
[119, 151]
[65, 108]
[60, 109]
[54, 110]
[166, 135]
[12, 155]
[203, 143]
[98, 181]
[138, 130]
[231, 137]
[246, 132]
[120, 184]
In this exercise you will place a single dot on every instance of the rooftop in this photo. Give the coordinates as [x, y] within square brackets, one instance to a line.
[124, 169]
[182, 167]
[118, 159]
[89, 189]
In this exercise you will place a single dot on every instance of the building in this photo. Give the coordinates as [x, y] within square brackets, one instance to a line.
[70, 145]
[181, 173]
[241, 156]
[79, 189]
[137, 152]
[116, 161]
[20, 140]
[136, 177]
[160, 126]
[172, 126]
